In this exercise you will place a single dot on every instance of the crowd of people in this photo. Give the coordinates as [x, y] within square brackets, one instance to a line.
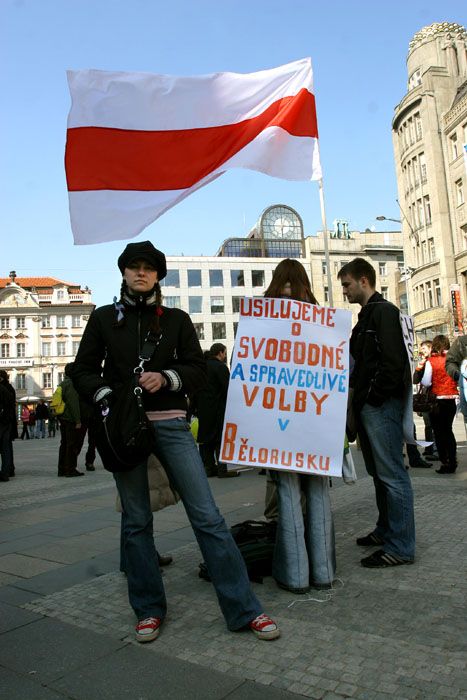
[178, 382]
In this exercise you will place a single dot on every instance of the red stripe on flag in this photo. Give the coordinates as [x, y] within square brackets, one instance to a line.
[99, 158]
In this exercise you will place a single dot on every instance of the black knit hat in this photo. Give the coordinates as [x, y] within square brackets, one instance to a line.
[143, 251]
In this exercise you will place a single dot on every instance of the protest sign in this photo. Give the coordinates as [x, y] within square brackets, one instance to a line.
[408, 335]
[287, 399]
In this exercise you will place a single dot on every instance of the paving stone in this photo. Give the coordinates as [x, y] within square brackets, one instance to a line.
[15, 686]
[25, 566]
[12, 617]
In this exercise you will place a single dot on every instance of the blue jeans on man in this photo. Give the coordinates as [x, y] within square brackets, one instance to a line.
[381, 441]
[40, 428]
[179, 455]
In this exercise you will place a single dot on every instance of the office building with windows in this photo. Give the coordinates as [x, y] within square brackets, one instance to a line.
[429, 131]
[42, 320]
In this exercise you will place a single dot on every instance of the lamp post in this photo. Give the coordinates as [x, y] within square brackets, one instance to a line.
[407, 270]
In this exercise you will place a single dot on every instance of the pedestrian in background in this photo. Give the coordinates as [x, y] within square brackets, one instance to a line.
[70, 425]
[8, 426]
[442, 416]
[42, 414]
[25, 421]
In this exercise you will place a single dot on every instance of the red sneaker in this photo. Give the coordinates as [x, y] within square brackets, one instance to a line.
[148, 629]
[264, 627]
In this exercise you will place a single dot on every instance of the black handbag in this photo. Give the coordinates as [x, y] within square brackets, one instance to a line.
[125, 437]
[424, 401]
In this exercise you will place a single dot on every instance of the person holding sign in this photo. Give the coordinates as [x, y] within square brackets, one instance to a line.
[109, 351]
[305, 551]
[379, 379]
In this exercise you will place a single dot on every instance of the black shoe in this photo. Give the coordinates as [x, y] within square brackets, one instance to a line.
[421, 464]
[382, 560]
[75, 472]
[224, 474]
[369, 541]
[433, 458]
[90, 468]
[211, 471]
[4, 478]
[445, 469]
[164, 559]
[12, 474]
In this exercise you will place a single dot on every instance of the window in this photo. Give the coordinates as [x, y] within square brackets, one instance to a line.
[20, 322]
[464, 131]
[423, 296]
[76, 321]
[199, 328]
[384, 292]
[61, 321]
[454, 146]
[424, 252]
[47, 380]
[421, 214]
[324, 267]
[427, 206]
[459, 193]
[4, 323]
[20, 349]
[61, 348]
[45, 323]
[172, 302]
[46, 349]
[237, 278]
[437, 289]
[326, 294]
[418, 124]
[216, 278]
[74, 347]
[429, 295]
[5, 350]
[172, 279]
[217, 305]
[257, 278]
[218, 331]
[195, 305]
[432, 249]
[194, 278]
[422, 163]
[21, 381]
[236, 304]
[60, 295]
[415, 79]
[383, 269]
[60, 377]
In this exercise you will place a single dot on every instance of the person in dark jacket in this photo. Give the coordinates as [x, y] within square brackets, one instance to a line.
[379, 380]
[70, 426]
[8, 426]
[210, 404]
[42, 414]
[108, 354]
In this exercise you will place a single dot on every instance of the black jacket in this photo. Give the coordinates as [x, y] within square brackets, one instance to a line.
[108, 354]
[381, 364]
[209, 403]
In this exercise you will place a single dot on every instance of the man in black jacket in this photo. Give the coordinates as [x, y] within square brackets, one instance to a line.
[210, 404]
[108, 354]
[379, 380]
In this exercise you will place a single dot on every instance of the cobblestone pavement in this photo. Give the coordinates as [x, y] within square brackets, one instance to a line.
[398, 632]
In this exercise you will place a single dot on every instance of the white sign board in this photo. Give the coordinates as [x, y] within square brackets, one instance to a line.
[287, 400]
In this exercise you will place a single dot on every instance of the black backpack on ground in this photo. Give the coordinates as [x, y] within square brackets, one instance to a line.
[255, 539]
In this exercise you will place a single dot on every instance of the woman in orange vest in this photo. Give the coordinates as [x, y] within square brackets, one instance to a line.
[446, 392]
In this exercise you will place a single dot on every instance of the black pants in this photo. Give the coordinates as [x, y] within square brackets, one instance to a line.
[441, 421]
[68, 452]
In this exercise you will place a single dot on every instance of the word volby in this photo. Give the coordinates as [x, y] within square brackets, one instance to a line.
[271, 397]
[287, 309]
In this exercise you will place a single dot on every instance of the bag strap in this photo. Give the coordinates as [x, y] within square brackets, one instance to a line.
[151, 342]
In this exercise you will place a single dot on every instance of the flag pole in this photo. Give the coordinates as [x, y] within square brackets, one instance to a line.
[326, 246]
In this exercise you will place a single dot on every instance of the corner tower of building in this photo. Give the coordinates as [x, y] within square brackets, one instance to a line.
[430, 174]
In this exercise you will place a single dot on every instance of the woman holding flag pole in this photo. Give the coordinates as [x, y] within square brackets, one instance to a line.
[305, 553]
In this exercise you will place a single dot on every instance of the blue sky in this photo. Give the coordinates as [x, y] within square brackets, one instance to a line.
[358, 50]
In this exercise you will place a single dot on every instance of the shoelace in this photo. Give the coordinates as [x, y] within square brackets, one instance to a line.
[147, 622]
[262, 621]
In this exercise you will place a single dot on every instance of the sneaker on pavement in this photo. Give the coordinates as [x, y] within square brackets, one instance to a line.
[90, 468]
[148, 629]
[370, 540]
[264, 627]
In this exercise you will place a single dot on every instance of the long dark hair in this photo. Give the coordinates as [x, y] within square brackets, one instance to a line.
[293, 272]
[125, 296]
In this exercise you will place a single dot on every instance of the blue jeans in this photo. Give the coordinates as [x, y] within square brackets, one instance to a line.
[40, 427]
[177, 451]
[381, 440]
[305, 551]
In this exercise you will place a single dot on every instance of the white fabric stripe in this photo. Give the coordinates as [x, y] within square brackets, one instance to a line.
[162, 102]
[113, 215]
[175, 383]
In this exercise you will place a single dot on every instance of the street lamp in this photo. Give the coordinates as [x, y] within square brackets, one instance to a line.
[407, 270]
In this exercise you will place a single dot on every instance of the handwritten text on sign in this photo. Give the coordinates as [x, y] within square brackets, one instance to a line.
[287, 398]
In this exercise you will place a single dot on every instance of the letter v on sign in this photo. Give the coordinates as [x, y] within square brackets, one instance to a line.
[283, 424]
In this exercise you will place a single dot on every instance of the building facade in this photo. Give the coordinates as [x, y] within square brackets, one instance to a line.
[42, 320]
[210, 288]
[429, 128]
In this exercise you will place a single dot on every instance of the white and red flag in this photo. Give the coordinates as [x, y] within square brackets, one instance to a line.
[139, 143]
